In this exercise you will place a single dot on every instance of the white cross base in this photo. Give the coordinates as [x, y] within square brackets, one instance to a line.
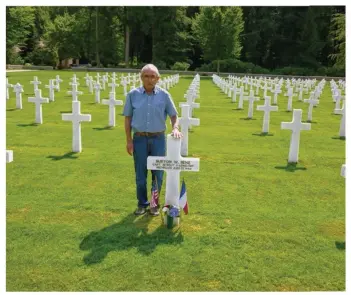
[173, 163]
[9, 156]
[296, 126]
[343, 170]
[76, 117]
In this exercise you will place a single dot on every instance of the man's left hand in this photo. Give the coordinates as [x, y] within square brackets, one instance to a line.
[176, 133]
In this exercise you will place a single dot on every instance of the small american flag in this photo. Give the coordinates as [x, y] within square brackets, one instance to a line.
[154, 196]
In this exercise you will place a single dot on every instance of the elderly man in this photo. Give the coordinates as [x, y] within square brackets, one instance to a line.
[146, 109]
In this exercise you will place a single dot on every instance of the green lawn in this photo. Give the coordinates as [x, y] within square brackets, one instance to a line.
[255, 224]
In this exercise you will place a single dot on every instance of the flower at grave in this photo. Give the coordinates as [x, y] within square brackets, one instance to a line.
[165, 209]
[173, 211]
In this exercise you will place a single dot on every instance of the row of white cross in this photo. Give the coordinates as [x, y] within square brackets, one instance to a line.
[296, 125]
[76, 117]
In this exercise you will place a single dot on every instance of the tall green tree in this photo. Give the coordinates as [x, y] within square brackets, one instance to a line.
[338, 37]
[218, 29]
[19, 26]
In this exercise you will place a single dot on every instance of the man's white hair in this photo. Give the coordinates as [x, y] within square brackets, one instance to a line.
[150, 67]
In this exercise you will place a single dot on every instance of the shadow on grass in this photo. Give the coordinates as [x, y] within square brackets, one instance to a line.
[263, 134]
[339, 137]
[237, 109]
[66, 112]
[11, 110]
[340, 245]
[247, 119]
[130, 232]
[28, 125]
[65, 156]
[103, 128]
[312, 122]
[290, 167]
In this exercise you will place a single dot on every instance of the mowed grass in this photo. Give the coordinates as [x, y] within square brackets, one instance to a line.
[255, 223]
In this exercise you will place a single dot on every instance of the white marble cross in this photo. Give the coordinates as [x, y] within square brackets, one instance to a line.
[342, 122]
[265, 87]
[76, 117]
[104, 81]
[338, 99]
[97, 87]
[112, 102]
[312, 102]
[74, 92]
[241, 97]
[51, 87]
[87, 77]
[290, 95]
[9, 156]
[301, 92]
[266, 108]
[185, 122]
[173, 163]
[35, 82]
[8, 85]
[193, 105]
[58, 81]
[38, 100]
[18, 89]
[91, 85]
[251, 98]
[97, 77]
[295, 126]
[276, 91]
[74, 80]
[235, 92]
[113, 85]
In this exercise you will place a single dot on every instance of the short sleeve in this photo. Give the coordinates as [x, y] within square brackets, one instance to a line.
[128, 110]
[170, 107]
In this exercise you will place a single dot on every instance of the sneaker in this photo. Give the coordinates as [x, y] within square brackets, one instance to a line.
[140, 211]
[154, 211]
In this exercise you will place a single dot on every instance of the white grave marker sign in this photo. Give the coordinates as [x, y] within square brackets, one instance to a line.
[173, 163]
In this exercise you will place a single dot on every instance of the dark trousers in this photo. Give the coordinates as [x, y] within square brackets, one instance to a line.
[145, 146]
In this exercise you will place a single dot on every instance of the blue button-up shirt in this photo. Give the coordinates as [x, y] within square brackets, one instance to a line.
[149, 111]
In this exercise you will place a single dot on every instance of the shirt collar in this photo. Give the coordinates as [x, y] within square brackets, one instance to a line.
[155, 90]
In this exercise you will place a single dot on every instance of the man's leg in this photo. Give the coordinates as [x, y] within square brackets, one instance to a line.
[140, 153]
[158, 148]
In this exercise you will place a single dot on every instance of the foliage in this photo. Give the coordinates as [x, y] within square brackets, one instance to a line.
[268, 37]
[338, 37]
[180, 66]
[218, 30]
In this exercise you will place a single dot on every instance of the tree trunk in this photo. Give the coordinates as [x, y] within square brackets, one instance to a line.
[97, 36]
[126, 54]
[126, 47]
[218, 66]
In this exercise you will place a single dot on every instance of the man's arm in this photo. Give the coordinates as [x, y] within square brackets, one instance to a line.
[175, 122]
[128, 129]
[175, 127]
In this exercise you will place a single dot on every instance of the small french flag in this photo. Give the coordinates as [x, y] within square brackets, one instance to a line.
[183, 201]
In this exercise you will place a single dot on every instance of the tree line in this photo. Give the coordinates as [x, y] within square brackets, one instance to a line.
[286, 40]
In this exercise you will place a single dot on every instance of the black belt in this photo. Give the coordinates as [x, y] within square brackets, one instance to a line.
[148, 133]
